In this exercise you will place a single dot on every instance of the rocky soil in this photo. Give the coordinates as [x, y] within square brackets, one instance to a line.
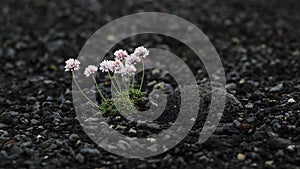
[258, 43]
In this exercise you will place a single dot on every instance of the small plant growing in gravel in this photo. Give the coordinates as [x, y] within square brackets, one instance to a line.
[108, 107]
[127, 97]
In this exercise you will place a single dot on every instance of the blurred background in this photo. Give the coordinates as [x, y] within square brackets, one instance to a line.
[258, 43]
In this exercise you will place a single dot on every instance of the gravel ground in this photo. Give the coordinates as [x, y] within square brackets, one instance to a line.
[258, 43]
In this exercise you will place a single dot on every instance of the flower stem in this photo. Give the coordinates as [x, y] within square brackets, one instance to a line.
[118, 84]
[142, 81]
[129, 83]
[73, 75]
[112, 82]
[125, 83]
[132, 85]
[99, 91]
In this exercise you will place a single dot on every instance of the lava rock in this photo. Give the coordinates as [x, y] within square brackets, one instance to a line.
[80, 158]
[91, 151]
[279, 143]
[276, 88]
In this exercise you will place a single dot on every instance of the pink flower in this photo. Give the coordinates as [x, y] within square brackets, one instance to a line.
[91, 69]
[128, 70]
[106, 66]
[132, 59]
[141, 52]
[121, 54]
[117, 66]
[72, 64]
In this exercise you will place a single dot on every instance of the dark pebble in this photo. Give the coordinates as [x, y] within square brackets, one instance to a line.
[91, 151]
[279, 143]
[80, 158]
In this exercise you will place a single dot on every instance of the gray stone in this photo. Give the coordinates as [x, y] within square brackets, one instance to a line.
[279, 142]
[34, 121]
[74, 137]
[80, 158]
[230, 86]
[91, 151]
[249, 106]
[276, 88]
[13, 113]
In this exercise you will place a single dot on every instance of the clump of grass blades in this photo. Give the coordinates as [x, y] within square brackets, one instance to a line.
[125, 101]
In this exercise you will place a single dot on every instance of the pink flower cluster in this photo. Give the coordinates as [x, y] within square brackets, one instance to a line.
[72, 64]
[123, 63]
[91, 69]
[141, 52]
[121, 54]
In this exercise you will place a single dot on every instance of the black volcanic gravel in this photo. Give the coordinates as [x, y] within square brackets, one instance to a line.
[258, 42]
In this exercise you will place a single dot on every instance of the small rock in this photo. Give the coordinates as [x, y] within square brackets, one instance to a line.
[241, 156]
[13, 113]
[68, 91]
[143, 124]
[236, 123]
[11, 52]
[56, 115]
[249, 106]
[111, 38]
[39, 136]
[270, 162]
[237, 40]
[153, 126]
[277, 125]
[120, 127]
[230, 86]
[91, 151]
[132, 131]
[74, 137]
[49, 98]
[254, 165]
[167, 88]
[261, 113]
[123, 145]
[291, 147]
[279, 153]
[242, 81]
[272, 134]
[80, 158]
[246, 128]
[3, 126]
[276, 88]
[26, 144]
[253, 155]
[291, 100]
[34, 121]
[9, 142]
[151, 83]
[153, 148]
[117, 118]
[251, 119]
[152, 140]
[52, 147]
[47, 82]
[279, 142]
[44, 104]
[155, 71]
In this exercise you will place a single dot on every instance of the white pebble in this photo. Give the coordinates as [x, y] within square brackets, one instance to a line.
[291, 100]
[152, 140]
[193, 119]
[132, 131]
